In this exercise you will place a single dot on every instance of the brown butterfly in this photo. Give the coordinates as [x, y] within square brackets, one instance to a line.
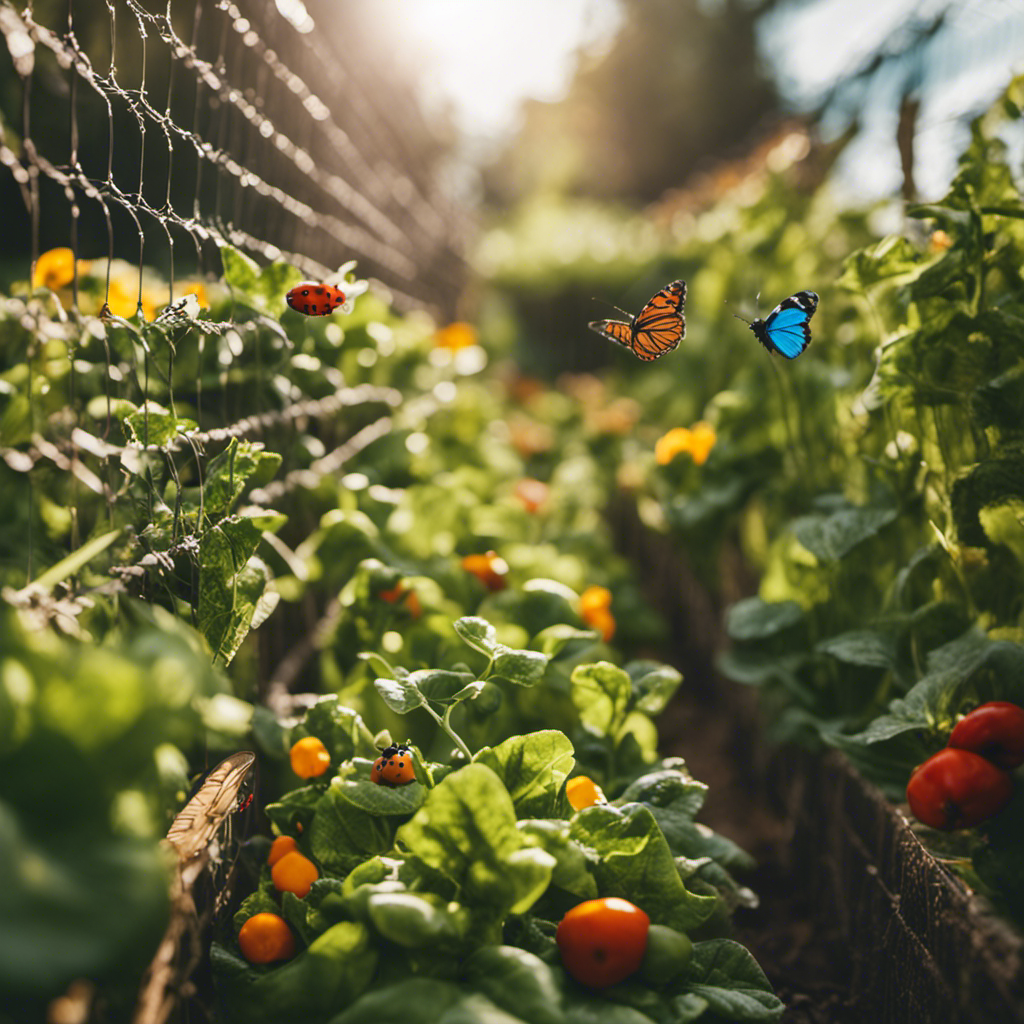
[655, 330]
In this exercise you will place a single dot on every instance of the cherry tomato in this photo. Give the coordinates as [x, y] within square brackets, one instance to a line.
[490, 569]
[315, 299]
[582, 791]
[393, 767]
[294, 873]
[994, 730]
[279, 847]
[264, 938]
[602, 941]
[309, 757]
[957, 789]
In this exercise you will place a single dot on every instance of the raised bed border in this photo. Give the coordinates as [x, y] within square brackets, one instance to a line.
[923, 949]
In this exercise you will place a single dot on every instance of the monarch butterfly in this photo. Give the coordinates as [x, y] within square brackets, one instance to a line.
[218, 796]
[786, 329]
[655, 330]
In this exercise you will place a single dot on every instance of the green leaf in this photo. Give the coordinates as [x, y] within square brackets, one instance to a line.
[240, 273]
[401, 695]
[341, 730]
[342, 835]
[969, 670]
[418, 920]
[69, 565]
[861, 647]
[424, 1001]
[562, 639]
[894, 256]
[633, 860]
[439, 685]
[524, 668]
[228, 474]
[601, 693]
[232, 584]
[728, 978]
[152, 425]
[572, 867]
[753, 619]
[380, 800]
[335, 969]
[517, 981]
[653, 685]
[831, 537]
[533, 769]
[466, 831]
[478, 633]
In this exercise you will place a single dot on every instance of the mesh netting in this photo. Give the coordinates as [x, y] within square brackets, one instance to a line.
[202, 121]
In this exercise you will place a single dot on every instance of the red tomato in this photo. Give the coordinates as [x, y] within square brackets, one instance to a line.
[994, 730]
[393, 767]
[315, 299]
[602, 942]
[957, 789]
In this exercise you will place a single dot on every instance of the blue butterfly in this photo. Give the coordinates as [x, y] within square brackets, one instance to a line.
[786, 329]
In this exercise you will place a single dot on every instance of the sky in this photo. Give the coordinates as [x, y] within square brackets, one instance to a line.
[480, 59]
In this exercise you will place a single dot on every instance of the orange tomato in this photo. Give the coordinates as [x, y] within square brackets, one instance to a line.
[309, 757]
[602, 941]
[265, 938]
[489, 569]
[294, 873]
[279, 847]
[584, 792]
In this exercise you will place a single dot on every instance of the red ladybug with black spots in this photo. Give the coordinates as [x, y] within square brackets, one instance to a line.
[315, 299]
[393, 767]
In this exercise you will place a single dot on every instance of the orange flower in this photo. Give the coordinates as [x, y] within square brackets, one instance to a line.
[529, 437]
[697, 441]
[596, 610]
[489, 569]
[455, 336]
[940, 241]
[54, 269]
[584, 792]
[400, 594]
[619, 417]
[532, 493]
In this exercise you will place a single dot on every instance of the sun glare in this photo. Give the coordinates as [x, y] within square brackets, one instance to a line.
[484, 57]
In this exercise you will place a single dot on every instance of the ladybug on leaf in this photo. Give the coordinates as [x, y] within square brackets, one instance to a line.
[393, 767]
[315, 299]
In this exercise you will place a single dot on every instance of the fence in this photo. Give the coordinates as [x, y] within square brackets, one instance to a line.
[156, 130]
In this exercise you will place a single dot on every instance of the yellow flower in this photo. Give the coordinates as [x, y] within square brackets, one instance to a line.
[697, 441]
[455, 336]
[674, 443]
[54, 269]
[197, 289]
[702, 440]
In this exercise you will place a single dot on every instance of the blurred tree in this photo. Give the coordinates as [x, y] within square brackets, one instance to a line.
[680, 87]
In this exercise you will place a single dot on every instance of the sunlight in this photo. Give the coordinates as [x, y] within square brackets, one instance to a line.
[483, 59]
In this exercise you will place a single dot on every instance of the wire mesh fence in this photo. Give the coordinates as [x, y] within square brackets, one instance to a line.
[180, 135]
[156, 130]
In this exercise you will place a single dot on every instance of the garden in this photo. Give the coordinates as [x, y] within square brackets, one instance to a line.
[380, 643]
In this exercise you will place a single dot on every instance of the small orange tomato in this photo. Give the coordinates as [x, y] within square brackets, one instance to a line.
[279, 847]
[309, 757]
[265, 938]
[594, 599]
[294, 873]
[584, 792]
[532, 493]
[489, 569]
[602, 941]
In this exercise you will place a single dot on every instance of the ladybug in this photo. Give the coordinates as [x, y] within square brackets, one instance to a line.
[393, 767]
[315, 299]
